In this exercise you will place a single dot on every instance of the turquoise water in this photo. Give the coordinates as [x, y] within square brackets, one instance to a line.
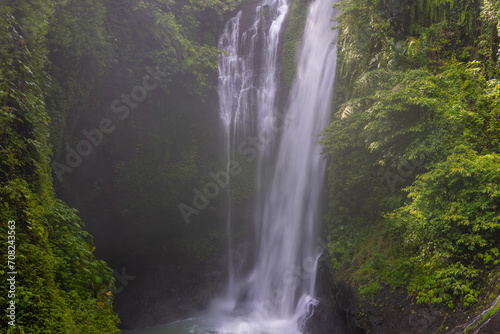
[191, 326]
[226, 326]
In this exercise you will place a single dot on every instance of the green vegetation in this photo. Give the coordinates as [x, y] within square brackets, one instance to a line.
[297, 15]
[414, 148]
[62, 65]
[370, 289]
[60, 286]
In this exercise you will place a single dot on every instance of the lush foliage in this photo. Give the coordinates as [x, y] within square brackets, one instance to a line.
[162, 146]
[62, 64]
[414, 147]
[60, 286]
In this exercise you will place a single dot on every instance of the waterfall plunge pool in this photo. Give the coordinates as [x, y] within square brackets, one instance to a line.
[206, 325]
[249, 319]
[223, 326]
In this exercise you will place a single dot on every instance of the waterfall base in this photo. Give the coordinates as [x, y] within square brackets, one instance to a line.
[313, 316]
[326, 316]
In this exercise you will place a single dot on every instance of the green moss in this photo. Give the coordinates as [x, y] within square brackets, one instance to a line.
[370, 289]
[293, 33]
[485, 317]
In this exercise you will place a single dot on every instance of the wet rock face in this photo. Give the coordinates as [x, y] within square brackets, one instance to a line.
[168, 294]
[324, 318]
[491, 326]
[391, 311]
[340, 310]
[327, 316]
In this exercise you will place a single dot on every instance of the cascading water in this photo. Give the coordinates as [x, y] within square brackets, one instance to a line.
[247, 86]
[286, 213]
[276, 293]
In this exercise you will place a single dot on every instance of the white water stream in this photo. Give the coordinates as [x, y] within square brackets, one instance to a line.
[275, 295]
[290, 171]
[248, 85]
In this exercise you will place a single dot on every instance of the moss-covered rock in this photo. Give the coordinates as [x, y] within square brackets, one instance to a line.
[296, 23]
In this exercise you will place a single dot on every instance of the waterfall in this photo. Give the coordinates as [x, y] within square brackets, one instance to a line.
[247, 86]
[478, 321]
[290, 169]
